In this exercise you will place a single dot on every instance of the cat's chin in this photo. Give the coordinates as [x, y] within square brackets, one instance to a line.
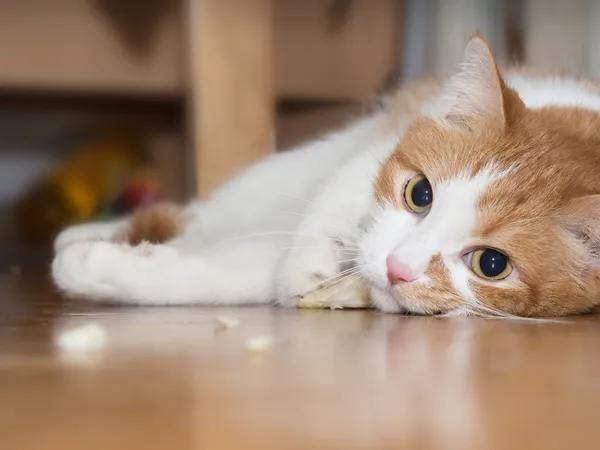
[387, 302]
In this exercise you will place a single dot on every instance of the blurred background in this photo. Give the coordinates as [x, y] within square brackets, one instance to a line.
[111, 104]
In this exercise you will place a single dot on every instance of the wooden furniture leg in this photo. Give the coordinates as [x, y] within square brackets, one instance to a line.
[232, 99]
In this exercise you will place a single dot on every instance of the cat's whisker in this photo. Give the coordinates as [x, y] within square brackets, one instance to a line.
[324, 281]
[310, 202]
[337, 227]
[337, 282]
[305, 200]
[537, 320]
[339, 249]
[338, 277]
[270, 234]
[327, 282]
[478, 308]
[343, 261]
[339, 291]
[498, 314]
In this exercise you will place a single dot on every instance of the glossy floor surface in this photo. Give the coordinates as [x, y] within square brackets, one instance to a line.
[167, 379]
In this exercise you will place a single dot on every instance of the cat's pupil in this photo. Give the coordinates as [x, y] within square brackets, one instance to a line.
[422, 194]
[492, 263]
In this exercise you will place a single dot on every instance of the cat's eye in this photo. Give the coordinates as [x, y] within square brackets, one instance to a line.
[490, 264]
[418, 194]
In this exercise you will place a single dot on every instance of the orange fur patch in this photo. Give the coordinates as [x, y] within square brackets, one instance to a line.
[155, 224]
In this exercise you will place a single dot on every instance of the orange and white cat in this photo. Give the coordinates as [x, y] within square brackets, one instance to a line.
[477, 196]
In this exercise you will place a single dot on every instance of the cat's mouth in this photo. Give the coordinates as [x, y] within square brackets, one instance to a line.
[387, 300]
[392, 301]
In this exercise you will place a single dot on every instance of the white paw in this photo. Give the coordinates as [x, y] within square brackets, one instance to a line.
[82, 268]
[305, 270]
[107, 270]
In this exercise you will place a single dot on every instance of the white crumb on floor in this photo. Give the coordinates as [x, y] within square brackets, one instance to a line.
[87, 338]
[226, 322]
[259, 344]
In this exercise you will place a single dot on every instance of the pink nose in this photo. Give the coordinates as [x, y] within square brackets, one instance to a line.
[398, 272]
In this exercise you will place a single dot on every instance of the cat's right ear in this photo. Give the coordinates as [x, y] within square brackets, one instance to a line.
[478, 93]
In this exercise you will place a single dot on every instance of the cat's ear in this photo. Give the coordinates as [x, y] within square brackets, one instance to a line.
[581, 217]
[478, 92]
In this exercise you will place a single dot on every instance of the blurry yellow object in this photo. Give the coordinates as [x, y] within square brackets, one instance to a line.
[75, 190]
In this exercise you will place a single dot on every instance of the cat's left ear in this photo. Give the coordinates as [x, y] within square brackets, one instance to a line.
[581, 217]
[479, 94]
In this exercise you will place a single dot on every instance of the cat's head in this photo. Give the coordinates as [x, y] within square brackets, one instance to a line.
[492, 207]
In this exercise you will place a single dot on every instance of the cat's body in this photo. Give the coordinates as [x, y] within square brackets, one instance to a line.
[301, 218]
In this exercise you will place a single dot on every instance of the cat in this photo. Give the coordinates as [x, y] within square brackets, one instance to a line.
[477, 196]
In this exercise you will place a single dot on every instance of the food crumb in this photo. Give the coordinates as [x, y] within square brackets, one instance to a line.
[259, 344]
[90, 337]
[226, 322]
[350, 293]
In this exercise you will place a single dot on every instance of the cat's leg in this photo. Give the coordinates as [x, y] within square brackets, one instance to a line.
[146, 274]
[325, 241]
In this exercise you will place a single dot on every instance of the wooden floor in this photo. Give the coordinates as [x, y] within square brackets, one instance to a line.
[337, 380]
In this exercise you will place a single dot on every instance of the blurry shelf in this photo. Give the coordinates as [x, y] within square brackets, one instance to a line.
[138, 46]
[91, 45]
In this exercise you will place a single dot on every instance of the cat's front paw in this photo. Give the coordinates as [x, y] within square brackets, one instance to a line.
[105, 270]
[305, 270]
[81, 265]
